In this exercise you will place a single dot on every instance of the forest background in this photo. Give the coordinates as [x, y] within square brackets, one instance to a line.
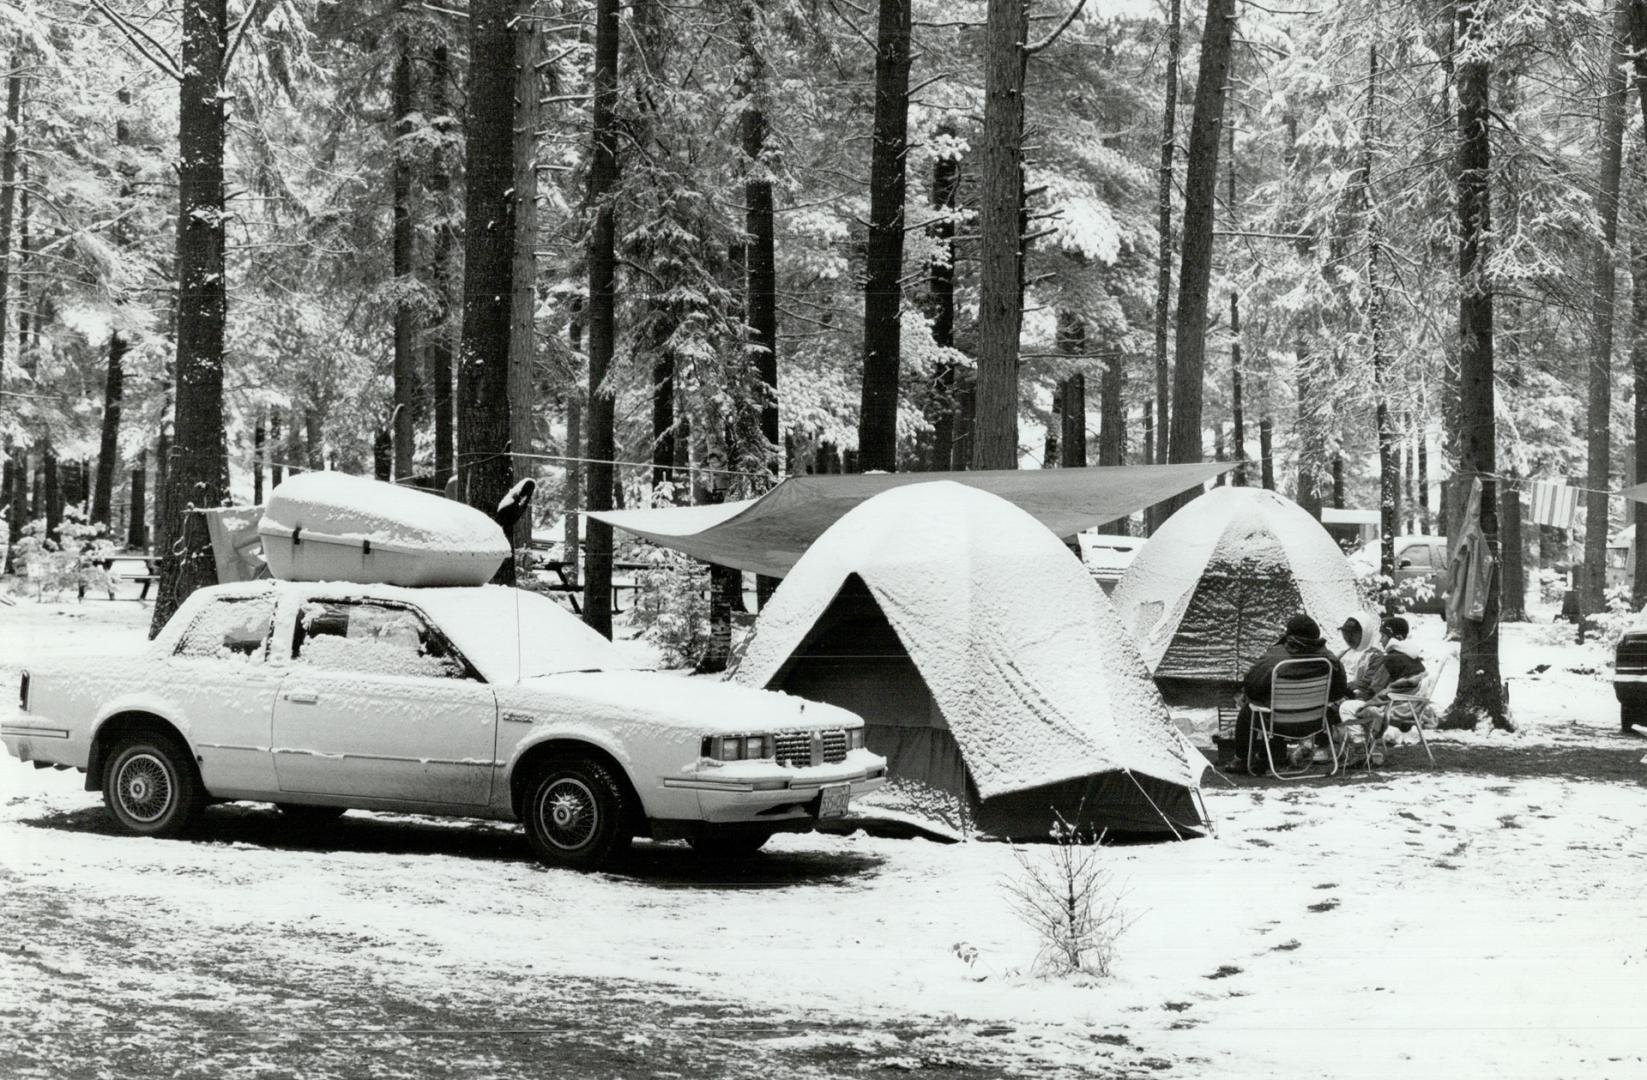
[1369, 251]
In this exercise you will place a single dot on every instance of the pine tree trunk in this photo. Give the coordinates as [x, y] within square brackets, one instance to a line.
[405, 372]
[966, 410]
[1514, 595]
[1050, 457]
[1598, 473]
[260, 450]
[197, 472]
[1195, 271]
[51, 490]
[1421, 496]
[1389, 466]
[383, 455]
[1307, 492]
[761, 281]
[485, 468]
[1112, 425]
[277, 451]
[17, 514]
[443, 275]
[523, 341]
[1266, 452]
[1163, 228]
[1480, 690]
[108, 448]
[1638, 357]
[603, 182]
[1149, 436]
[1238, 421]
[883, 294]
[137, 533]
[946, 183]
[572, 501]
[1000, 196]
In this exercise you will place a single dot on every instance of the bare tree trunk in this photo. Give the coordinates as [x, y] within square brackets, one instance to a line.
[444, 276]
[523, 340]
[603, 183]
[137, 533]
[1163, 227]
[196, 474]
[1000, 309]
[1480, 690]
[1611, 138]
[1195, 272]
[405, 374]
[883, 294]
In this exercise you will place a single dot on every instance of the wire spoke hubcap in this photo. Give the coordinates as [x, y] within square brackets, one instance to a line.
[567, 813]
[144, 787]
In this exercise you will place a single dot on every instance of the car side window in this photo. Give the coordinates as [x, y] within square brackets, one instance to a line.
[372, 638]
[1415, 556]
[230, 628]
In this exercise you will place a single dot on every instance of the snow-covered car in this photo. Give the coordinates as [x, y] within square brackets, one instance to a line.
[477, 701]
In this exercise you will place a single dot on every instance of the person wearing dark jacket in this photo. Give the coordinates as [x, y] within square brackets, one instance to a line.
[1302, 640]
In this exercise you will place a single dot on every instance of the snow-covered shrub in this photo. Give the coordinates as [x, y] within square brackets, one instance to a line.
[1552, 585]
[1068, 897]
[1380, 592]
[55, 566]
[1606, 627]
[672, 606]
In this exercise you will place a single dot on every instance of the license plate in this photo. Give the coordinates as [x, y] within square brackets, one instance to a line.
[832, 800]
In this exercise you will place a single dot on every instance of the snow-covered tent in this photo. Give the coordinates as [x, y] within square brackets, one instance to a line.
[1216, 583]
[989, 666]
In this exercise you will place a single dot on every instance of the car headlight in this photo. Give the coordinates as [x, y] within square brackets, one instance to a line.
[737, 747]
[855, 738]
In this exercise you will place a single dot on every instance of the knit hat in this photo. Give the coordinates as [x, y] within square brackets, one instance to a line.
[1302, 626]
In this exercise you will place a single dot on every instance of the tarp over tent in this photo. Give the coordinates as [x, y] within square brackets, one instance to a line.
[1215, 585]
[989, 667]
[767, 535]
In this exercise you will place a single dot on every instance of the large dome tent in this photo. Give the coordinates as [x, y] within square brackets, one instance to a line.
[989, 667]
[1214, 586]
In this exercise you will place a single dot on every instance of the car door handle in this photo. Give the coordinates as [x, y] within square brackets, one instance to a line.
[301, 697]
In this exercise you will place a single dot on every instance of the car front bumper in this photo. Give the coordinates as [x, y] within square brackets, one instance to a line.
[755, 792]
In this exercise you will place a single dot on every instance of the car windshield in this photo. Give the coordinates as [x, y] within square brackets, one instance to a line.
[513, 634]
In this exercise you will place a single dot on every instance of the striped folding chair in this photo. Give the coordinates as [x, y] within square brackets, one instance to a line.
[1401, 708]
[1296, 714]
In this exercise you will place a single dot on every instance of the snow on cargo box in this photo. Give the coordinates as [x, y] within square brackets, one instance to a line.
[327, 526]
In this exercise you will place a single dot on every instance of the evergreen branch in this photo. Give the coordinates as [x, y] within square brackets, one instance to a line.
[239, 35]
[139, 39]
[1031, 50]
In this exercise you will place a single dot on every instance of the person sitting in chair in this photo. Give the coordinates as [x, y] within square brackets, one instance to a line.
[1301, 640]
[1400, 671]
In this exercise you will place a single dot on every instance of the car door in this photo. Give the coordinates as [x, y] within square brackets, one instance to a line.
[220, 677]
[377, 704]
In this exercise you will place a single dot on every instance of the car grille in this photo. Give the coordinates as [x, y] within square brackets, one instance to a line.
[1632, 656]
[795, 747]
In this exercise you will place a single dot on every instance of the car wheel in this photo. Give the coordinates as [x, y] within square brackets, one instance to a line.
[575, 813]
[306, 817]
[1629, 715]
[730, 843]
[150, 786]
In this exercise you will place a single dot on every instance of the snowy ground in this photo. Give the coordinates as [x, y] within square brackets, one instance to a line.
[1486, 918]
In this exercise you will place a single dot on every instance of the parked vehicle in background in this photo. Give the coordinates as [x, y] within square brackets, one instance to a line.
[1107, 557]
[1630, 678]
[473, 701]
[1420, 569]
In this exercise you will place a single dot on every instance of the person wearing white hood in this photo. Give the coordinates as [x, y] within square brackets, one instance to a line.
[1364, 651]
[1399, 669]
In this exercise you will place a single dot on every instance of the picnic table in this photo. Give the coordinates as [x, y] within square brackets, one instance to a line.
[106, 562]
[567, 585]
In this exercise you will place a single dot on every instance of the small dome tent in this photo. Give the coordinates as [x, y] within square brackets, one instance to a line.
[989, 668]
[1214, 586]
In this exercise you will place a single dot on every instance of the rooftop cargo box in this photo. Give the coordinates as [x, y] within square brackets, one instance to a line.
[327, 526]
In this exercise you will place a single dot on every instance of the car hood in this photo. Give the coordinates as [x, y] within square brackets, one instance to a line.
[706, 705]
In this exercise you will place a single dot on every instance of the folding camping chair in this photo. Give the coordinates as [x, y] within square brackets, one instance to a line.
[1298, 703]
[1404, 707]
